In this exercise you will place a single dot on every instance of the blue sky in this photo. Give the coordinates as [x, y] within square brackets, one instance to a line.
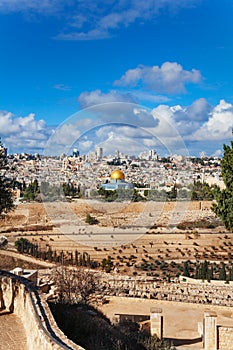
[173, 57]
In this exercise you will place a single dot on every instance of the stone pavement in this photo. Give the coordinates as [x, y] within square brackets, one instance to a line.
[12, 333]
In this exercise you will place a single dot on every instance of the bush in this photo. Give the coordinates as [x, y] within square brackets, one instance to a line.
[91, 220]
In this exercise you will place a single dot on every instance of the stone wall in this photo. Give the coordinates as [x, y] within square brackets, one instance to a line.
[210, 331]
[216, 337]
[200, 293]
[19, 297]
[225, 338]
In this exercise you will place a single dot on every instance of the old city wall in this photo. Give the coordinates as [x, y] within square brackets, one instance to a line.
[191, 205]
[17, 296]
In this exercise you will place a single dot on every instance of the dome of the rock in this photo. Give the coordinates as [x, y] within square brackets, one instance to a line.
[117, 182]
[117, 175]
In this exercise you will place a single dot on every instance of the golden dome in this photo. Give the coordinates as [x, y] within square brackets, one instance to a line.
[117, 175]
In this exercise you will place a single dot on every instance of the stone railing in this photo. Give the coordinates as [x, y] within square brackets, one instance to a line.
[18, 296]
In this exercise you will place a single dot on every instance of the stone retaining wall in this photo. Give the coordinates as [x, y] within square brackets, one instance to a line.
[19, 297]
[225, 338]
[200, 293]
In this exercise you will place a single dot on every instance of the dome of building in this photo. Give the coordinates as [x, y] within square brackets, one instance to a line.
[117, 175]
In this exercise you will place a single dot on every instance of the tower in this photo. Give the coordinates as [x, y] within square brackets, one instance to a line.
[75, 152]
[99, 153]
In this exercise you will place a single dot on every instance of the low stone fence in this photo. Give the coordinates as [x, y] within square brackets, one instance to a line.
[18, 296]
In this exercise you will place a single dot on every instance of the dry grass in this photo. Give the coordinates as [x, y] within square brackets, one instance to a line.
[158, 244]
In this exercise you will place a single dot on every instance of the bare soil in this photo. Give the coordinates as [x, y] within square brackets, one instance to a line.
[162, 241]
[180, 320]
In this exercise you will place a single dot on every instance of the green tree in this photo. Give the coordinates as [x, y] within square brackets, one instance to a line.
[91, 220]
[107, 264]
[201, 191]
[222, 273]
[23, 245]
[186, 269]
[6, 194]
[230, 275]
[224, 198]
[32, 191]
[171, 195]
[204, 270]
[69, 189]
[210, 274]
[197, 271]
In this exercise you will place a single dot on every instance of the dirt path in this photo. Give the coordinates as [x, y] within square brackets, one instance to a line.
[27, 258]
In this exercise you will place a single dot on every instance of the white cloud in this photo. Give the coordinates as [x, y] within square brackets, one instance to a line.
[87, 99]
[95, 34]
[219, 125]
[217, 153]
[118, 15]
[25, 133]
[93, 20]
[47, 7]
[125, 126]
[169, 78]
[123, 139]
[61, 87]
[85, 146]
[185, 119]
[91, 98]
[120, 112]
[65, 135]
[148, 96]
[199, 126]
[199, 110]
[103, 124]
[125, 131]
[130, 127]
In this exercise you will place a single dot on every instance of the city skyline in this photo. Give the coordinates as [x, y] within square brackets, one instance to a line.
[170, 61]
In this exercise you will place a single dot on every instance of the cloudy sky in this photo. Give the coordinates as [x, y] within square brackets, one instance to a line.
[161, 70]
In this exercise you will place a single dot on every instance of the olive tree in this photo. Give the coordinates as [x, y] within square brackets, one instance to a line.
[75, 285]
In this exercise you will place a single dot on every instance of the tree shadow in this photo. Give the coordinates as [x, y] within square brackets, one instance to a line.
[4, 312]
[179, 341]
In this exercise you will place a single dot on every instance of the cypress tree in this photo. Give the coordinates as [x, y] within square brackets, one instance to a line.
[224, 198]
[222, 273]
[6, 194]
[186, 269]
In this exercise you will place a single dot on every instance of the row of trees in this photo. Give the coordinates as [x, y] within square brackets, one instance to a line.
[46, 191]
[75, 258]
[121, 195]
[207, 271]
[32, 191]
[198, 191]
